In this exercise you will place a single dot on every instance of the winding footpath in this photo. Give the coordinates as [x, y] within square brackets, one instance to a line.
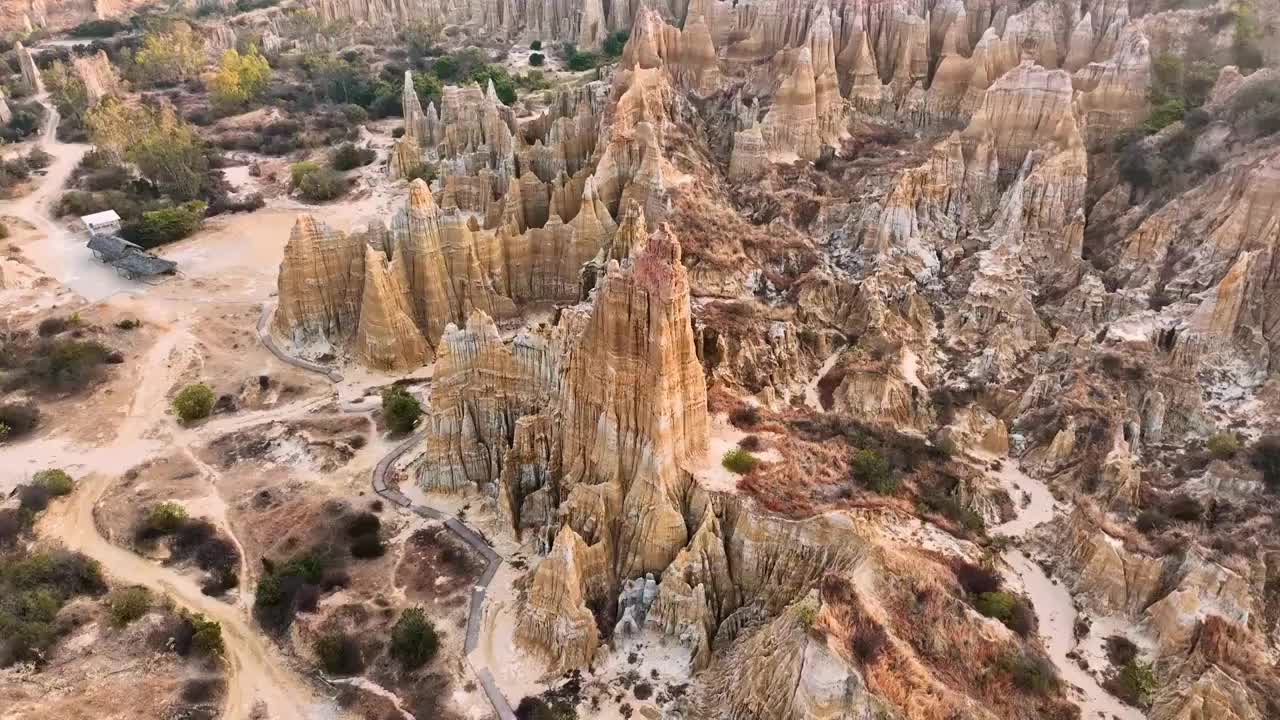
[464, 532]
[1053, 603]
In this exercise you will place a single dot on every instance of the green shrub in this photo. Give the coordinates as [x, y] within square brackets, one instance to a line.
[56, 481]
[33, 588]
[315, 183]
[535, 45]
[872, 469]
[18, 419]
[1135, 683]
[128, 604]
[193, 402]
[537, 59]
[349, 157]
[997, 605]
[1031, 673]
[166, 225]
[400, 409]
[269, 591]
[1223, 444]
[165, 518]
[339, 654]
[413, 639]
[1168, 112]
[614, 44]
[424, 171]
[206, 637]
[737, 460]
[98, 29]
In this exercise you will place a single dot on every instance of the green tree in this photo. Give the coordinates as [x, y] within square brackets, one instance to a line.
[56, 481]
[240, 79]
[167, 150]
[413, 639]
[206, 637]
[168, 56]
[166, 225]
[67, 91]
[400, 409]
[193, 402]
[128, 604]
[614, 44]
[166, 517]
[873, 470]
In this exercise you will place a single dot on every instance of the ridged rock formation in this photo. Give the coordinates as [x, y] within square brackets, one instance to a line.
[98, 75]
[30, 73]
[437, 267]
[320, 286]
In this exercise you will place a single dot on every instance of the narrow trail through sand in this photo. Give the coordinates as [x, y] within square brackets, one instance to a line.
[1053, 603]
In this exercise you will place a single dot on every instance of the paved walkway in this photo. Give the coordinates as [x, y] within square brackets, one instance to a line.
[472, 538]
[264, 335]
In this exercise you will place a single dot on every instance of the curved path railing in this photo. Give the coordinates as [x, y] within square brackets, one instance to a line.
[264, 335]
[492, 561]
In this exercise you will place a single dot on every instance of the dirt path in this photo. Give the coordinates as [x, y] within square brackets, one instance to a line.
[62, 254]
[1053, 603]
[257, 674]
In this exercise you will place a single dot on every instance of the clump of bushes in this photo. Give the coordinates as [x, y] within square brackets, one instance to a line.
[193, 402]
[57, 365]
[614, 44]
[339, 654]
[17, 420]
[413, 639]
[166, 224]
[163, 519]
[315, 183]
[292, 587]
[1135, 683]
[1223, 445]
[33, 588]
[400, 409]
[56, 481]
[738, 460]
[128, 604]
[872, 470]
[1010, 609]
[537, 59]
[349, 157]
[578, 60]
[1031, 673]
[206, 635]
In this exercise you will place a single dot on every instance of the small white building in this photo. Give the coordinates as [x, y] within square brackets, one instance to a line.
[106, 222]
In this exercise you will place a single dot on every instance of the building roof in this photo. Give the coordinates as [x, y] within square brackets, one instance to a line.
[136, 262]
[100, 218]
[110, 247]
[127, 257]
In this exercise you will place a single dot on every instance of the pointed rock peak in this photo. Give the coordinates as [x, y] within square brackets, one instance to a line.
[420, 199]
[481, 325]
[306, 227]
[491, 94]
[1086, 23]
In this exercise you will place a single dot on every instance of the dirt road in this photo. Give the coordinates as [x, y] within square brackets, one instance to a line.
[62, 254]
